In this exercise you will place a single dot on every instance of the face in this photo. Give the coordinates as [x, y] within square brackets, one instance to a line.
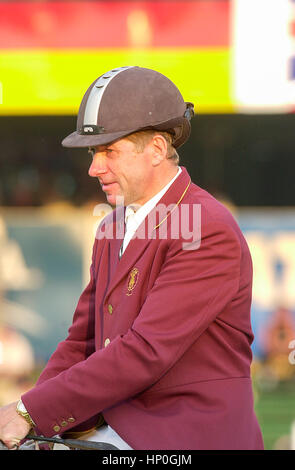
[123, 172]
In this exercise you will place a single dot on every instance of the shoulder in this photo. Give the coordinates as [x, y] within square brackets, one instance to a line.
[212, 211]
[204, 222]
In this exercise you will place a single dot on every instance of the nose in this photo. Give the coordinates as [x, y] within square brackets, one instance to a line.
[98, 165]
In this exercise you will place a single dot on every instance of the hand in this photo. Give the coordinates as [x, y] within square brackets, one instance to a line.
[13, 427]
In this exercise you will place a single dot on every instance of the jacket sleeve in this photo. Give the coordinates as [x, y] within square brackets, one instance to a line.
[207, 279]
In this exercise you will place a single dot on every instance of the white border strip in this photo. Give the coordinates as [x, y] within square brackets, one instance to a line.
[260, 55]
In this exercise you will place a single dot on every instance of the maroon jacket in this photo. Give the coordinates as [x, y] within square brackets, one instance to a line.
[160, 340]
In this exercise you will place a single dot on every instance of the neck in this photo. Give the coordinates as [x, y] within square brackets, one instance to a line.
[160, 180]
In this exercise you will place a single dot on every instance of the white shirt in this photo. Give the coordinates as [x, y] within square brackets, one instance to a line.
[133, 218]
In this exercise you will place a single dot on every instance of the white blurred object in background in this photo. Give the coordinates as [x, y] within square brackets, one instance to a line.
[14, 274]
[263, 51]
[16, 354]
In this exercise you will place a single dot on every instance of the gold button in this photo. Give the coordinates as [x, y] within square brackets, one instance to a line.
[64, 423]
[110, 309]
[107, 341]
[71, 420]
[56, 428]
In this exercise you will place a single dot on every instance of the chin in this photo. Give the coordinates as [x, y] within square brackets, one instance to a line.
[115, 200]
[111, 200]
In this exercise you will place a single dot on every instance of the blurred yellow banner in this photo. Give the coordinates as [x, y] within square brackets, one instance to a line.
[48, 81]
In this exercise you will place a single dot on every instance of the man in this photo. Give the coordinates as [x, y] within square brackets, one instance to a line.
[158, 355]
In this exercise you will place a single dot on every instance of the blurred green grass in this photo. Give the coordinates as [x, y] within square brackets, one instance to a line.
[275, 410]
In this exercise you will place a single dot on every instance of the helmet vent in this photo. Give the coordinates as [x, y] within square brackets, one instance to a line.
[95, 96]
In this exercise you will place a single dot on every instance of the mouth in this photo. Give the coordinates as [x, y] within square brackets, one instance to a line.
[107, 186]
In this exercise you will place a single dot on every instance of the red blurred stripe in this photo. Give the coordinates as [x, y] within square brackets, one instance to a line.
[108, 24]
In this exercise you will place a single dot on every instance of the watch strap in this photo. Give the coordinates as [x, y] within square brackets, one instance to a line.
[21, 410]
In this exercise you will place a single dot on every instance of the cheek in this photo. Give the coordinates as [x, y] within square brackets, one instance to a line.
[133, 173]
[137, 179]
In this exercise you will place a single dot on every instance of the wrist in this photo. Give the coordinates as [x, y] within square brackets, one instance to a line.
[22, 411]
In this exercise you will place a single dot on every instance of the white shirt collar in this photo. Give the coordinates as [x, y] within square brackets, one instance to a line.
[140, 214]
[134, 219]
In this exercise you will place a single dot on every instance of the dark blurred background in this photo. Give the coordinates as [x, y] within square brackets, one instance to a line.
[248, 159]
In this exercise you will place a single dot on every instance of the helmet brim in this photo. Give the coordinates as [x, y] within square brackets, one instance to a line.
[78, 140]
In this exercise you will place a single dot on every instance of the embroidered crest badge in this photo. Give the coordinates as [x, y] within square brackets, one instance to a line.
[132, 280]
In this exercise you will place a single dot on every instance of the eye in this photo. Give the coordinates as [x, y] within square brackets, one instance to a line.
[109, 152]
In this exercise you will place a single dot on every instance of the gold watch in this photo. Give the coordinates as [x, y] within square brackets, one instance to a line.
[21, 410]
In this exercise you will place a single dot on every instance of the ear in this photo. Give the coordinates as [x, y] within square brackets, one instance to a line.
[159, 149]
